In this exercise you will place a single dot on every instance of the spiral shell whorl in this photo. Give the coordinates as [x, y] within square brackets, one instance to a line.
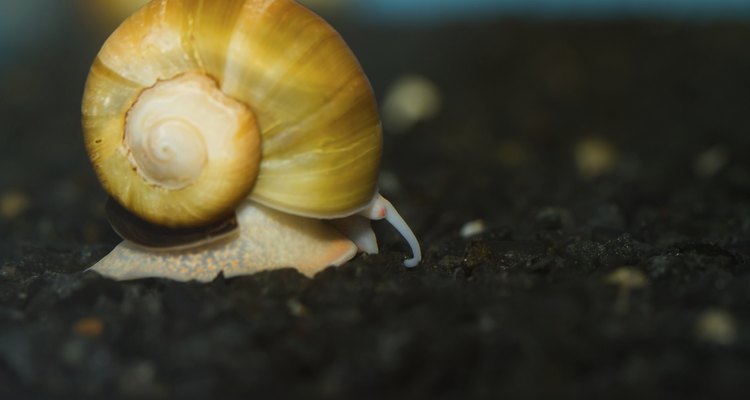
[307, 98]
[171, 153]
[188, 156]
[165, 141]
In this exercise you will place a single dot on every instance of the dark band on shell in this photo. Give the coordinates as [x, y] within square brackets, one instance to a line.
[143, 233]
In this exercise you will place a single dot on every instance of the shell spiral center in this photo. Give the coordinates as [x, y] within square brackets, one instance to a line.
[173, 154]
[176, 126]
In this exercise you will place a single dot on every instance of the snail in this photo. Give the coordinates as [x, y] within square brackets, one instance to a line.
[245, 128]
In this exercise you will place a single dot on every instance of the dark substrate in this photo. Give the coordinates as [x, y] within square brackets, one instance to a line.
[537, 305]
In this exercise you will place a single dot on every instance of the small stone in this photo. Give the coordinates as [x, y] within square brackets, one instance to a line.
[411, 99]
[595, 157]
[710, 162]
[89, 327]
[473, 228]
[296, 308]
[716, 326]
[13, 204]
[627, 279]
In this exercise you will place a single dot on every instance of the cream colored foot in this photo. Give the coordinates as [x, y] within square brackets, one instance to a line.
[267, 240]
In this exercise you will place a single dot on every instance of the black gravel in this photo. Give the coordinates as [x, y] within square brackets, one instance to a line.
[631, 281]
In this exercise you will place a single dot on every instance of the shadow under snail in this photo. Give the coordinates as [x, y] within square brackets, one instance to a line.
[234, 136]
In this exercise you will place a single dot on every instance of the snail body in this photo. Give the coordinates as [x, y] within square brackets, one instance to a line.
[194, 110]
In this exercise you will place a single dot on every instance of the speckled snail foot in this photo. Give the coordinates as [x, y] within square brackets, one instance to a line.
[196, 110]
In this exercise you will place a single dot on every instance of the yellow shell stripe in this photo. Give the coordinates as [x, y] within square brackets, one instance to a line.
[320, 131]
[320, 127]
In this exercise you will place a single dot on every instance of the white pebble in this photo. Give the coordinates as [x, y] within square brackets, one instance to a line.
[473, 228]
[411, 99]
[710, 162]
[716, 326]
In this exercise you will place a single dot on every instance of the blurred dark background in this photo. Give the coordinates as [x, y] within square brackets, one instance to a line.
[576, 171]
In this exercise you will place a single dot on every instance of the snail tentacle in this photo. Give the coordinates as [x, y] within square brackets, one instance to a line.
[357, 228]
[381, 208]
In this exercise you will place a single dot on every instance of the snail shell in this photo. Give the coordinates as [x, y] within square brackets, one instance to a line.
[191, 104]
[194, 109]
